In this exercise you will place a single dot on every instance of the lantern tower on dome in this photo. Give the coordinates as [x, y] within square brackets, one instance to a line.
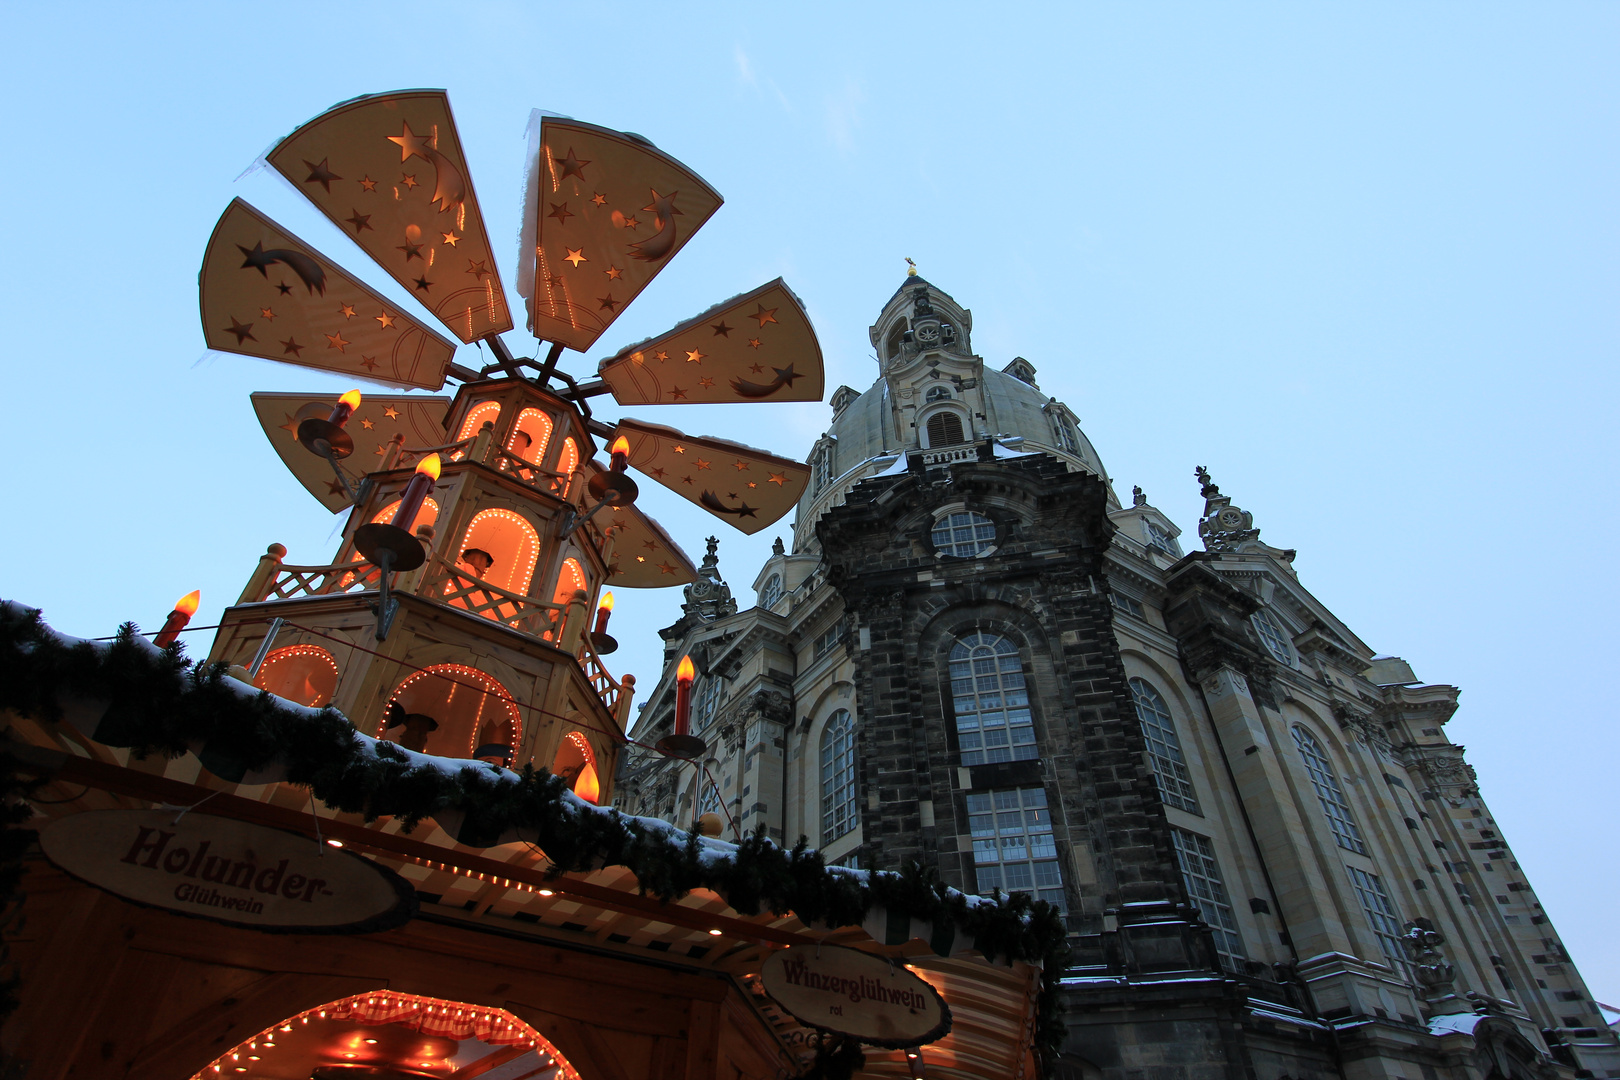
[468, 629]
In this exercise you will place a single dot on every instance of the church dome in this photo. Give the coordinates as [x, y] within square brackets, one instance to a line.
[935, 398]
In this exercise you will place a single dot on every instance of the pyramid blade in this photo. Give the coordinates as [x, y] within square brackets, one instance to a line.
[266, 293]
[389, 171]
[374, 424]
[644, 555]
[746, 488]
[608, 212]
[755, 347]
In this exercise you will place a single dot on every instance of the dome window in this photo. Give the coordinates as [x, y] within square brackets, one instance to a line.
[772, 592]
[937, 393]
[963, 534]
[945, 429]
[1272, 635]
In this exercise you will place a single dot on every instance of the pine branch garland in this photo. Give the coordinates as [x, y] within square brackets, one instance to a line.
[163, 704]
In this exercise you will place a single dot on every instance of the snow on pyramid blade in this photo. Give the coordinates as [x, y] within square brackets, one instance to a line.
[266, 293]
[389, 170]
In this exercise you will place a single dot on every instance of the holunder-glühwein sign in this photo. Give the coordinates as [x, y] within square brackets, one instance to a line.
[854, 993]
[229, 871]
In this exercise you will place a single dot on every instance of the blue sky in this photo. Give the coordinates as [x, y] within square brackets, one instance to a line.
[1359, 262]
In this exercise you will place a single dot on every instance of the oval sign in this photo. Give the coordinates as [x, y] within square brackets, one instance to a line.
[229, 871]
[856, 994]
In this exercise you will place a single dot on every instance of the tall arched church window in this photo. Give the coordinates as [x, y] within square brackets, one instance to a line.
[772, 592]
[993, 721]
[1164, 747]
[945, 429]
[1328, 791]
[839, 811]
[936, 393]
[1201, 874]
[821, 468]
[1013, 847]
[707, 702]
[1272, 635]
[963, 534]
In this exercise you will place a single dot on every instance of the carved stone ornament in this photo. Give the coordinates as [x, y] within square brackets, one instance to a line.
[1432, 971]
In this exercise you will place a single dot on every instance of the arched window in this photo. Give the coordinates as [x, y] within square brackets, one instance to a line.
[500, 547]
[567, 462]
[839, 811]
[1013, 848]
[1326, 784]
[306, 674]
[945, 429]
[570, 579]
[1273, 636]
[821, 469]
[709, 801]
[530, 436]
[451, 710]
[772, 592]
[576, 764]
[476, 416]
[707, 702]
[936, 393]
[1065, 433]
[993, 721]
[1164, 747]
[963, 534]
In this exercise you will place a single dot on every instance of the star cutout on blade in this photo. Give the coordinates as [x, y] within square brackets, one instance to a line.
[390, 412]
[607, 303]
[412, 251]
[291, 426]
[676, 395]
[750, 484]
[702, 464]
[686, 480]
[575, 256]
[381, 450]
[320, 174]
[424, 284]
[346, 311]
[291, 346]
[283, 288]
[334, 487]
[764, 315]
[705, 383]
[570, 165]
[599, 199]
[386, 319]
[721, 329]
[370, 364]
[731, 494]
[408, 179]
[680, 449]
[450, 238]
[335, 341]
[694, 357]
[649, 545]
[657, 472]
[368, 424]
[660, 356]
[614, 273]
[754, 343]
[666, 568]
[242, 330]
[368, 184]
[740, 466]
[477, 269]
[266, 313]
[777, 478]
[410, 144]
[632, 224]
[359, 221]
[756, 368]
[560, 212]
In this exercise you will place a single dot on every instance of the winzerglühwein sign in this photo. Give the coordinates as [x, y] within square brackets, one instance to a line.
[854, 993]
[229, 871]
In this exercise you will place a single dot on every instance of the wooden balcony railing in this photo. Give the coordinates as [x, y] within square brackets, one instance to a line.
[444, 582]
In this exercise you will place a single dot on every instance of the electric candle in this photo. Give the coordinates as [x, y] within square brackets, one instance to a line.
[345, 408]
[683, 695]
[184, 609]
[603, 610]
[621, 454]
[419, 488]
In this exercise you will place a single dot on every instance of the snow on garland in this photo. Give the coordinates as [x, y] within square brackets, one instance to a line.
[156, 701]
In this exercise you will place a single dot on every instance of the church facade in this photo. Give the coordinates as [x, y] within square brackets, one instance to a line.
[974, 655]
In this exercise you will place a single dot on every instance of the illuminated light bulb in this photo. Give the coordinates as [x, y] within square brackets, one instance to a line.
[184, 609]
[371, 1042]
[334, 843]
[351, 399]
[546, 892]
[714, 933]
[253, 1057]
[430, 467]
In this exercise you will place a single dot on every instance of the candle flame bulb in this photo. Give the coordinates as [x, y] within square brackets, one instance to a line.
[417, 489]
[684, 675]
[184, 609]
[430, 467]
[345, 408]
[621, 454]
[603, 610]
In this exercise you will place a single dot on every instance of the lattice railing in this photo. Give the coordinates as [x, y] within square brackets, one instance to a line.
[528, 614]
[293, 581]
[606, 686]
[552, 483]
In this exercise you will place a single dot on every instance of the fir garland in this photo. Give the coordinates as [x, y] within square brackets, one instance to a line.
[161, 703]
